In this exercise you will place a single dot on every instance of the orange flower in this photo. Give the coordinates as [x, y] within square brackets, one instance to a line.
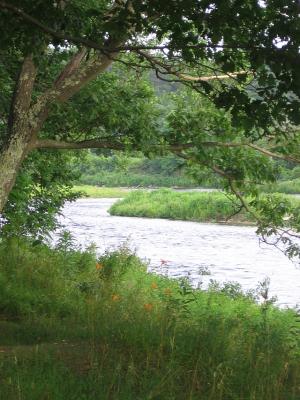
[99, 266]
[115, 297]
[168, 292]
[154, 285]
[148, 306]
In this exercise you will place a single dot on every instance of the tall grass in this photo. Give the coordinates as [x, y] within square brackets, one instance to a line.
[204, 207]
[187, 206]
[288, 187]
[77, 327]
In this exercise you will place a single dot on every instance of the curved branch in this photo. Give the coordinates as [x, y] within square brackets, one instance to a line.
[94, 45]
[55, 34]
[184, 77]
[274, 155]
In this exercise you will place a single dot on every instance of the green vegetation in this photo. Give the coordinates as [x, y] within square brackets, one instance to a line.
[119, 179]
[288, 187]
[196, 206]
[121, 170]
[129, 171]
[75, 75]
[288, 180]
[100, 192]
[77, 327]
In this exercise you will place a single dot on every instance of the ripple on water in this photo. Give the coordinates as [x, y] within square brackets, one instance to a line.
[231, 253]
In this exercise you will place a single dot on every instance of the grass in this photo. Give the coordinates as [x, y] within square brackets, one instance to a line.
[288, 187]
[101, 192]
[77, 327]
[187, 206]
[201, 207]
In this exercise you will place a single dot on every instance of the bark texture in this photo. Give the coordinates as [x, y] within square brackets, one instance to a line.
[27, 119]
[17, 141]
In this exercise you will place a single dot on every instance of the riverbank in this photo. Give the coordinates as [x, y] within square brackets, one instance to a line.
[74, 326]
[99, 192]
[230, 252]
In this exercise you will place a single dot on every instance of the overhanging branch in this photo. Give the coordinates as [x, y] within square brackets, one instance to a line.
[52, 32]
[99, 144]
[85, 144]
[81, 41]
[185, 77]
[273, 155]
[175, 148]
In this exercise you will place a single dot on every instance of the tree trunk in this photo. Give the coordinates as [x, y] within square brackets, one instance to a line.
[26, 120]
[16, 144]
[11, 158]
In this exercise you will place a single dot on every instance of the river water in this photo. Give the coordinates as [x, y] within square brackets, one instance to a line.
[231, 253]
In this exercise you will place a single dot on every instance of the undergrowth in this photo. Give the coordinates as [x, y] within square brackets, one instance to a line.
[76, 326]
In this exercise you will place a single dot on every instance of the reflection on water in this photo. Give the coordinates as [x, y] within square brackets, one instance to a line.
[231, 253]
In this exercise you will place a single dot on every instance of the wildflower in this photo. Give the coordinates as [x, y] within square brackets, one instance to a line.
[154, 285]
[168, 292]
[148, 306]
[115, 297]
[99, 266]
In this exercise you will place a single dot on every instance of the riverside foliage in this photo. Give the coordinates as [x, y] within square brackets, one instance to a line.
[130, 171]
[287, 186]
[74, 75]
[78, 327]
[188, 206]
[202, 207]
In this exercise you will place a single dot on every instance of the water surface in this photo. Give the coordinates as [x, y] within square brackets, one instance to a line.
[231, 253]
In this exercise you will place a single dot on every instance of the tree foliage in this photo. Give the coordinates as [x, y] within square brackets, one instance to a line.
[241, 55]
[42, 187]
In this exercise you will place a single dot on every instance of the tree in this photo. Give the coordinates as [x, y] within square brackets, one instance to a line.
[243, 55]
[120, 104]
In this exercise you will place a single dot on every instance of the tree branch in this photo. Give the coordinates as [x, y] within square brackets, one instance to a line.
[74, 76]
[58, 35]
[184, 77]
[85, 144]
[94, 45]
[99, 144]
[71, 67]
[239, 144]
[274, 155]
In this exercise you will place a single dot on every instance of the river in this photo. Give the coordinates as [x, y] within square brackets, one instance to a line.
[231, 253]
